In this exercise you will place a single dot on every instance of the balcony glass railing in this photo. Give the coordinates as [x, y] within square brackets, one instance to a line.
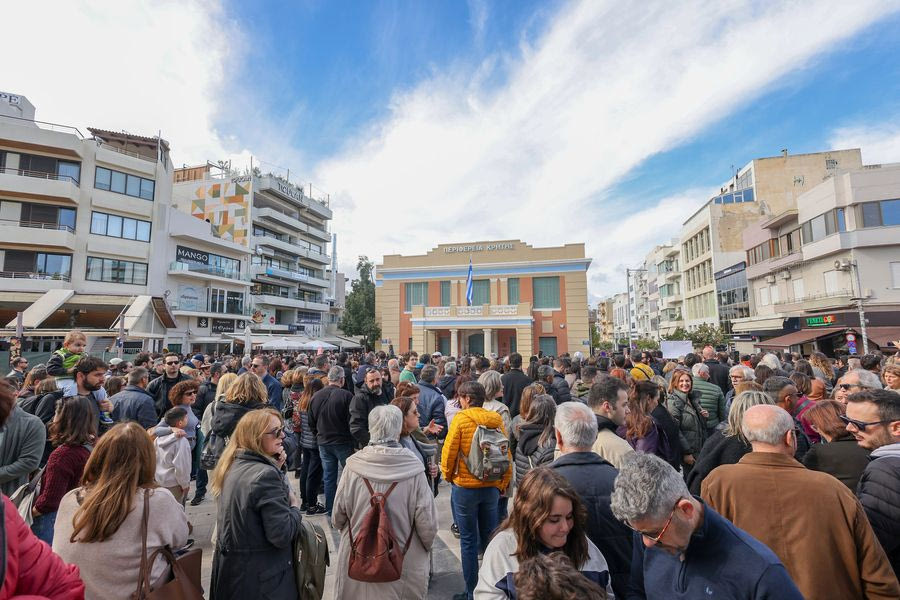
[37, 225]
[34, 275]
[39, 174]
[203, 306]
[209, 270]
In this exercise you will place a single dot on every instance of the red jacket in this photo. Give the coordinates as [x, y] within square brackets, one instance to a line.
[32, 571]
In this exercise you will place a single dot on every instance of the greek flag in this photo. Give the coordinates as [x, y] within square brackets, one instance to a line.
[469, 285]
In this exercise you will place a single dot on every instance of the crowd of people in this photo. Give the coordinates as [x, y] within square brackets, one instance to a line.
[630, 476]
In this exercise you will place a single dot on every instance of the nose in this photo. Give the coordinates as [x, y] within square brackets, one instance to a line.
[647, 541]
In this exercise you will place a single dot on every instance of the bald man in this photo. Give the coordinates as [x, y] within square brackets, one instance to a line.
[718, 373]
[799, 513]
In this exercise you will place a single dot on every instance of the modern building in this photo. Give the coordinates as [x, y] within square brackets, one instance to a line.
[711, 239]
[732, 300]
[523, 299]
[285, 231]
[621, 317]
[605, 324]
[82, 232]
[808, 265]
[663, 306]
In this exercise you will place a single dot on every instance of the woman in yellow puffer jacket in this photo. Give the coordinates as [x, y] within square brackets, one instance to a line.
[474, 502]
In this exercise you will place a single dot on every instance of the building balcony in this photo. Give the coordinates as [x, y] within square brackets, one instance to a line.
[119, 157]
[262, 270]
[37, 185]
[208, 273]
[493, 315]
[44, 235]
[46, 138]
[193, 229]
[291, 220]
[771, 265]
[816, 302]
[15, 281]
[294, 194]
[291, 300]
[202, 309]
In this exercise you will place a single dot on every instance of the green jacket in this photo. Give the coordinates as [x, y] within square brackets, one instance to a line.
[407, 375]
[712, 400]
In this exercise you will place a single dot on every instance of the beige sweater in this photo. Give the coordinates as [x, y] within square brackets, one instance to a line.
[110, 568]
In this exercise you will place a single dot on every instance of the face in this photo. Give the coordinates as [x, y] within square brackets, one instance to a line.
[736, 379]
[555, 529]
[872, 436]
[258, 367]
[411, 418]
[272, 442]
[189, 398]
[411, 363]
[172, 364]
[93, 381]
[373, 381]
[77, 346]
[684, 383]
[892, 381]
[617, 415]
[671, 534]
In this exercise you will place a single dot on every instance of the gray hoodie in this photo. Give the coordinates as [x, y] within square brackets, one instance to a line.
[173, 461]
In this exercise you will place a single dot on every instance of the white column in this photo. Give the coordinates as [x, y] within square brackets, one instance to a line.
[487, 341]
[495, 341]
[454, 343]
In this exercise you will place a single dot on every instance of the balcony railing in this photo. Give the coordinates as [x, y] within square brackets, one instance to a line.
[209, 270]
[126, 152]
[818, 296]
[42, 125]
[293, 295]
[522, 309]
[38, 174]
[36, 225]
[203, 306]
[33, 275]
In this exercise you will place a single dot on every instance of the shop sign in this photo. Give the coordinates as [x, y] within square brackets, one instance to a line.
[820, 321]
[202, 322]
[188, 298]
[222, 326]
[479, 247]
[191, 255]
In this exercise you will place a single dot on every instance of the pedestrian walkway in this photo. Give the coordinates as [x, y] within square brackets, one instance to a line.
[447, 578]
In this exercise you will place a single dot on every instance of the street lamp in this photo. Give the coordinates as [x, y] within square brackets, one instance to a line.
[628, 273]
[851, 265]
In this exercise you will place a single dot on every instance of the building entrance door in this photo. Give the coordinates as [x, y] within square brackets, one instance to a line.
[444, 345]
[476, 343]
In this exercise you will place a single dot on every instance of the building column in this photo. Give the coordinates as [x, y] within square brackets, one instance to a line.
[504, 291]
[524, 342]
[495, 341]
[430, 341]
[487, 341]
[418, 339]
[495, 296]
[454, 343]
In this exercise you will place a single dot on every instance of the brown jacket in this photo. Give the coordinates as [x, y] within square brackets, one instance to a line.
[809, 519]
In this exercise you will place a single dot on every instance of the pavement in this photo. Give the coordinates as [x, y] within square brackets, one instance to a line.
[446, 579]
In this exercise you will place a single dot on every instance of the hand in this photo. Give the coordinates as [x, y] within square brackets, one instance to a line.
[704, 413]
[688, 459]
[106, 406]
[281, 458]
[293, 498]
[433, 428]
[178, 432]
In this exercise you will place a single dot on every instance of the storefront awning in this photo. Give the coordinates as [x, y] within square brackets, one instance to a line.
[758, 325]
[883, 336]
[798, 337]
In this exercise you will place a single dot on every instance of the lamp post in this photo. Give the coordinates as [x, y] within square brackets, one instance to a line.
[853, 266]
[628, 273]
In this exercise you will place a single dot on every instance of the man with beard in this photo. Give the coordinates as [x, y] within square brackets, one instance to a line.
[159, 387]
[89, 374]
[366, 398]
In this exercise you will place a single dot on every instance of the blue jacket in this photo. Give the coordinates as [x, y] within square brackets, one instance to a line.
[274, 389]
[134, 404]
[721, 562]
[431, 406]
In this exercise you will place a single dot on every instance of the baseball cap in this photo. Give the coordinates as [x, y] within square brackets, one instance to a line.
[198, 357]
[115, 362]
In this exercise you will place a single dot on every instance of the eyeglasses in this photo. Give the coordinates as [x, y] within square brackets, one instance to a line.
[861, 425]
[256, 366]
[170, 362]
[847, 386]
[277, 432]
[655, 539]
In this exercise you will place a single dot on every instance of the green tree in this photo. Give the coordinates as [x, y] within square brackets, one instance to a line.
[707, 335]
[680, 333]
[606, 346]
[359, 307]
[646, 344]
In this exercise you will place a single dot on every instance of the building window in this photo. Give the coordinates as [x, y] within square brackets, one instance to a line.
[775, 295]
[48, 215]
[124, 183]
[763, 296]
[512, 290]
[895, 275]
[416, 295]
[116, 271]
[546, 292]
[34, 165]
[831, 281]
[879, 214]
[216, 300]
[120, 227]
[40, 264]
[547, 345]
[799, 292]
[234, 303]
[823, 225]
[445, 293]
[481, 292]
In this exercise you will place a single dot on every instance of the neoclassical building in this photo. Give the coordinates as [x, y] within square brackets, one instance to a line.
[524, 299]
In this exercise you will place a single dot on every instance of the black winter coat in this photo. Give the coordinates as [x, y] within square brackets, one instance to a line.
[879, 493]
[718, 374]
[530, 453]
[256, 526]
[592, 477]
[159, 389]
[329, 416]
[226, 416]
[718, 450]
[447, 385]
[843, 458]
[664, 421]
[559, 388]
[514, 383]
[206, 395]
[360, 406]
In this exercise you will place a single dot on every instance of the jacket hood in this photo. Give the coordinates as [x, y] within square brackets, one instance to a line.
[529, 437]
[605, 423]
[165, 441]
[888, 450]
[385, 463]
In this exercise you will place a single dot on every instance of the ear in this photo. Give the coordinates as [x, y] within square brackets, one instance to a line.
[686, 507]
[894, 429]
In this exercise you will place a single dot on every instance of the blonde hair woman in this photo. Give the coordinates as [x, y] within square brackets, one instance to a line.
[247, 393]
[258, 515]
[98, 526]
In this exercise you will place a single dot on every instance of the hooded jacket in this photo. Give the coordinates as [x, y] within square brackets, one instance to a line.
[530, 453]
[447, 385]
[410, 508]
[432, 405]
[173, 461]
[227, 414]
[879, 493]
[685, 409]
[560, 388]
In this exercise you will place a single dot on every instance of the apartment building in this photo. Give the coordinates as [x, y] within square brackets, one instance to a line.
[284, 230]
[808, 264]
[663, 306]
[711, 239]
[621, 318]
[605, 324]
[82, 228]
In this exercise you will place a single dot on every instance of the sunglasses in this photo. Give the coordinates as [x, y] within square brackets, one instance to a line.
[277, 432]
[169, 362]
[847, 386]
[655, 538]
[194, 393]
[861, 425]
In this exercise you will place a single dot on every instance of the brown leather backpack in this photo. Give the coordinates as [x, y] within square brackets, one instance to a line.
[375, 555]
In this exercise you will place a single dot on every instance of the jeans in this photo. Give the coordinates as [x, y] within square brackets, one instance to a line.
[310, 476]
[202, 482]
[475, 510]
[43, 527]
[333, 456]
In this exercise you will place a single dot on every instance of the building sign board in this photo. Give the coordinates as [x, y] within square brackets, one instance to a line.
[222, 326]
[820, 321]
[191, 255]
[479, 247]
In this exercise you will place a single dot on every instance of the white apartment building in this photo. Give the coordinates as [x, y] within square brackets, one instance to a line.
[605, 324]
[285, 231]
[802, 265]
[621, 317]
[663, 306]
[82, 231]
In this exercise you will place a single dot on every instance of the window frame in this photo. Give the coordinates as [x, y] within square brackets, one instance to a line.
[114, 270]
[122, 225]
[535, 281]
[125, 179]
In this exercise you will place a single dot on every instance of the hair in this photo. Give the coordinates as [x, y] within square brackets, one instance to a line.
[37, 374]
[450, 368]
[247, 389]
[493, 386]
[742, 401]
[646, 486]
[638, 421]
[774, 429]
[699, 369]
[287, 378]
[311, 385]
[275, 365]
[606, 390]
[88, 364]
[405, 388]
[461, 379]
[544, 371]
[74, 336]
[123, 461]
[802, 382]
[554, 577]
[531, 507]
[803, 366]
[747, 373]
[74, 422]
[588, 372]
[515, 360]
[247, 435]
[762, 373]
[404, 403]
[867, 379]
[528, 395]
[825, 418]
[428, 374]
[886, 401]
[870, 362]
[892, 369]
[774, 385]
[817, 359]
[137, 375]
[335, 374]
[542, 412]
[263, 359]
[7, 400]
[46, 386]
[385, 424]
[576, 424]
[114, 385]
[225, 382]
[174, 415]
[474, 391]
[676, 377]
[180, 390]
[171, 355]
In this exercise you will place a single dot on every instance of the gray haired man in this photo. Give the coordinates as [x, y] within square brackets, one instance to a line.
[685, 549]
[329, 420]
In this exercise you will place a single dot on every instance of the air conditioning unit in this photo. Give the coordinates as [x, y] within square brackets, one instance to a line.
[770, 279]
[785, 274]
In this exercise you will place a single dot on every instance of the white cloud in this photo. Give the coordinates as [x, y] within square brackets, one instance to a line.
[607, 85]
[879, 143]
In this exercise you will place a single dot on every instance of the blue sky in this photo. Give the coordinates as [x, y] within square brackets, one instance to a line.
[592, 121]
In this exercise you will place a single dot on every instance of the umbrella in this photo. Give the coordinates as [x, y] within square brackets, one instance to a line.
[282, 343]
[248, 341]
[318, 345]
